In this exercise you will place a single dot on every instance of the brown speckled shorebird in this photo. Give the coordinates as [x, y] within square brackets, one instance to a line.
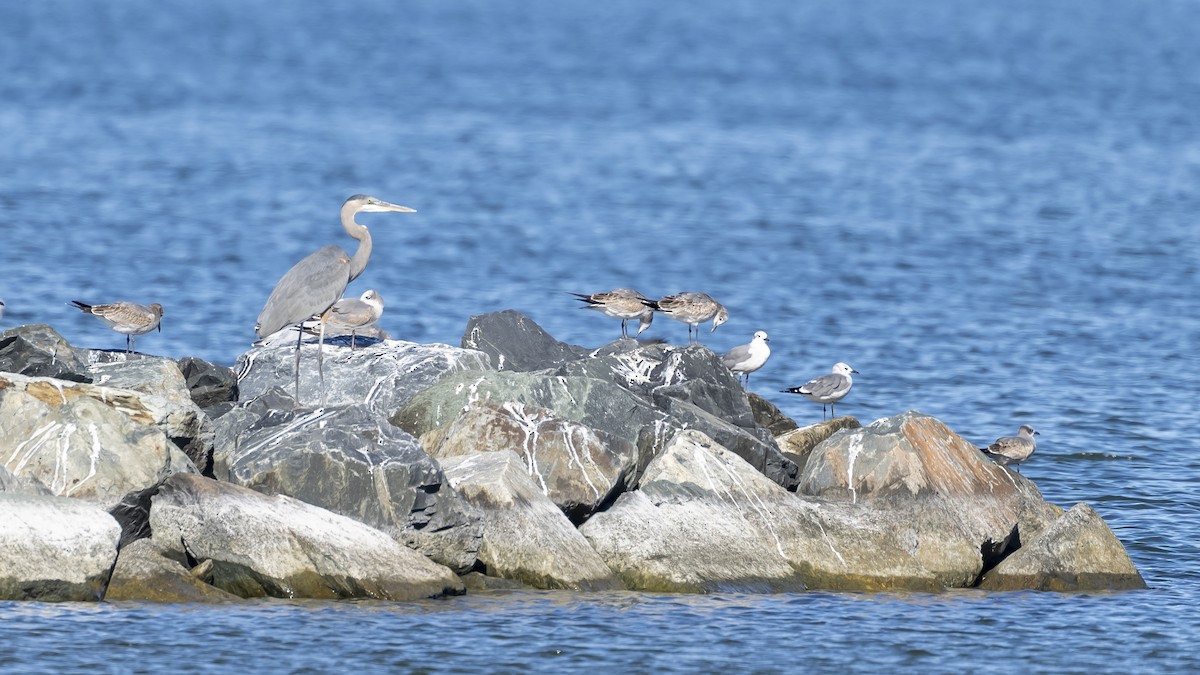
[621, 303]
[1012, 450]
[126, 317]
[692, 309]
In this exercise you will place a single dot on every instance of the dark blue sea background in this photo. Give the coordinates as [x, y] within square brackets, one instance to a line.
[990, 209]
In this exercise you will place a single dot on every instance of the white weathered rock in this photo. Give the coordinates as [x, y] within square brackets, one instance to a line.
[52, 548]
[282, 547]
[526, 537]
[78, 446]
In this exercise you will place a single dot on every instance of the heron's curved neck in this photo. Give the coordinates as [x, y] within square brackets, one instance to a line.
[358, 263]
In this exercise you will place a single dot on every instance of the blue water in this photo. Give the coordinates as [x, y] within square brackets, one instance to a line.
[991, 210]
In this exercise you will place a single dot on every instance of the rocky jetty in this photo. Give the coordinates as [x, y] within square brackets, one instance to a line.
[512, 460]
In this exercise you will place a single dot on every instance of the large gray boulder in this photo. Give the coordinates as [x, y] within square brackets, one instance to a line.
[384, 375]
[954, 510]
[55, 549]
[1077, 553]
[78, 446]
[526, 538]
[281, 547]
[604, 406]
[515, 342]
[350, 460]
[705, 521]
[38, 350]
[576, 467]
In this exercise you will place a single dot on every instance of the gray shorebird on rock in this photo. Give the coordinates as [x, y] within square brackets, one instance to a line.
[1012, 450]
[827, 389]
[355, 314]
[129, 318]
[747, 358]
[692, 309]
[625, 304]
[315, 283]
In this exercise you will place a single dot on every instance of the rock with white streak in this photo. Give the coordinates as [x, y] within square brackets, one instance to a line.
[385, 375]
[705, 521]
[77, 446]
[958, 512]
[526, 537]
[55, 549]
[173, 415]
[350, 460]
[576, 467]
[162, 389]
[280, 547]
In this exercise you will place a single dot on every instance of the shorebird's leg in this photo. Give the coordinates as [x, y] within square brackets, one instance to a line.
[353, 334]
[299, 339]
[624, 329]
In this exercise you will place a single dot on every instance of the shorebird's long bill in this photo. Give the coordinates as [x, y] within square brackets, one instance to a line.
[380, 205]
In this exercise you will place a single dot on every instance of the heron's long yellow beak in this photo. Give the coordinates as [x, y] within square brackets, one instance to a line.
[380, 205]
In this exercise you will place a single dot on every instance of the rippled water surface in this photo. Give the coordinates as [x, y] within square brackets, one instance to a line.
[991, 210]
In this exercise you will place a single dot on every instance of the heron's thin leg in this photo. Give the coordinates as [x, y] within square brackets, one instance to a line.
[299, 338]
[320, 364]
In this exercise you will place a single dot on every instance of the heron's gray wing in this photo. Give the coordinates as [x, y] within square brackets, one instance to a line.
[310, 287]
[825, 385]
[736, 355]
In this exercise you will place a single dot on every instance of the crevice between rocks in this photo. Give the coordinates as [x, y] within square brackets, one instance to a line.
[994, 552]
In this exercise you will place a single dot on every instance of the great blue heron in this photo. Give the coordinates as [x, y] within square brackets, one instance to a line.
[747, 358]
[315, 283]
[692, 309]
[827, 389]
[126, 317]
[625, 304]
[1012, 450]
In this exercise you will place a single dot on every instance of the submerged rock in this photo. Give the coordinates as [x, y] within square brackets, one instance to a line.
[281, 547]
[526, 538]
[55, 549]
